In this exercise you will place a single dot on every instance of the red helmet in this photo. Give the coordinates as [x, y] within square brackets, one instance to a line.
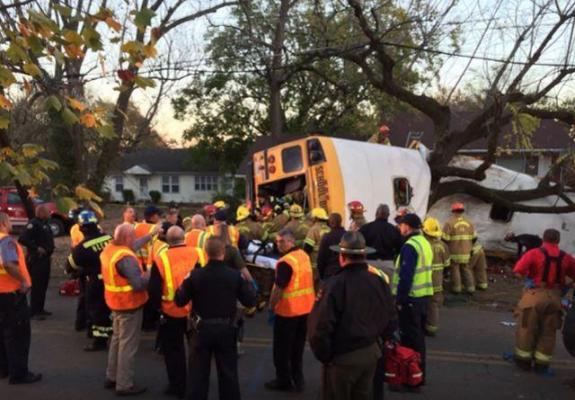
[356, 207]
[384, 129]
[210, 209]
[457, 207]
[267, 210]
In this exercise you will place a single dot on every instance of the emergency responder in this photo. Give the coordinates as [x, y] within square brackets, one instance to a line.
[85, 261]
[459, 234]
[352, 313]
[478, 266]
[412, 285]
[76, 236]
[327, 259]
[432, 232]
[295, 224]
[214, 292]
[291, 300]
[357, 215]
[525, 242]
[39, 241]
[187, 224]
[171, 266]
[279, 221]
[151, 219]
[220, 222]
[14, 312]
[539, 310]
[382, 136]
[315, 233]
[197, 236]
[247, 224]
[209, 212]
[384, 238]
[129, 216]
[125, 291]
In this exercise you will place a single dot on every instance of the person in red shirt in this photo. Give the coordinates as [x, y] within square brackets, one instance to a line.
[539, 310]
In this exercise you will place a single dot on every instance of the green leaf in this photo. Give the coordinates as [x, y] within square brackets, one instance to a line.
[54, 103]
[106, 131]
[6, 77]
[68, 116]
[16, 54]
[144, 82]
[73, 37]
[63, 10]
[32, 69]
[143, 18]
[92, 38]
[65, 204]
[35, 44]
[132, 47]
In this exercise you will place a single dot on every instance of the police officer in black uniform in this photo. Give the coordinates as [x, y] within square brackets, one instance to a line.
[39, 241]
[85, 260]
[214, 291]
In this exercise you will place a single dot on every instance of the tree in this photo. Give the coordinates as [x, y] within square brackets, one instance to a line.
[513, 92]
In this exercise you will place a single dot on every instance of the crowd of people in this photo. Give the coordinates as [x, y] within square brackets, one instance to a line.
[345, 291]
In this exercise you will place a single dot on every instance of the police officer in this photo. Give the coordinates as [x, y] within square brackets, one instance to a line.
[413, 285]
[291, 300]
[39, 241]
[171, 266]
[14, 313]
[539, 310]
[214, 292]
[85, 260]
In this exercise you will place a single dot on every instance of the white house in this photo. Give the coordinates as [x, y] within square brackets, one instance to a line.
[168, 171]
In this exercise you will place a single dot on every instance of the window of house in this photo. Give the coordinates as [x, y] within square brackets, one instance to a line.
[175, 184]
[500, 213]
[402, 192]
[119, 183]
[292, 159]
[206, 183]
[170, 184]
[165, 184]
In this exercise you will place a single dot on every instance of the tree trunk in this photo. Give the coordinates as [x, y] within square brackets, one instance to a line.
[276, 113]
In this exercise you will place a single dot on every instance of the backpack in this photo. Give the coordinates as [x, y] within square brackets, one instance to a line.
[402, 365]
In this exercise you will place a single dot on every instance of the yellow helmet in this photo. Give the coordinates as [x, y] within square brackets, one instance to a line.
[431, 227]
[319, 213]
[296, 211]
[242, 213]
[220, 204]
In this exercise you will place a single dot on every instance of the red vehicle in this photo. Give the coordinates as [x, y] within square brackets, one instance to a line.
[11, 204]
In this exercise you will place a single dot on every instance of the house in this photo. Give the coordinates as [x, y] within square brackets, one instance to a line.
[168, 171]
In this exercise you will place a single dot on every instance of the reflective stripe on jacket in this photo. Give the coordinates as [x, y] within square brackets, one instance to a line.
[422, 285]
[299, 295]
[459, 233]
[118, 292]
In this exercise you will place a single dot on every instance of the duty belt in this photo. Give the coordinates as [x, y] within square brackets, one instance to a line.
[217, 321]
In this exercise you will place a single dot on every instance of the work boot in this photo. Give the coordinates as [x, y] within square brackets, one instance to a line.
[45, 313]
[278, 386]
[133, 391]
[299, 385]
[522, 364]
[30, 377]
[541, 369]
[109, 384]
[38, 317]
[92, 347]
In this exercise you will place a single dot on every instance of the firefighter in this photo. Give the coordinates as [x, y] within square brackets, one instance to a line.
[539, 310]
[280, 219]
[247, 225]
[432, 232]
[478, 266]
[315, 233]
[209, 212]
[357, 215]
[171, 266]
[459, 234]
[382, 136]
[85, 260]
[296, 225]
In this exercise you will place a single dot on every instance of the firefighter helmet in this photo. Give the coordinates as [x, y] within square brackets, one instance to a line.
[319, 213]
[242, 213]
[457, 207]
[431, 227]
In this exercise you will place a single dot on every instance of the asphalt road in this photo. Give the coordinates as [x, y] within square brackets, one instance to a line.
[464, 362]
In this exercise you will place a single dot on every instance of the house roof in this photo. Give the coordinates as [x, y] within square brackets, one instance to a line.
[550, 135]
[160, 160]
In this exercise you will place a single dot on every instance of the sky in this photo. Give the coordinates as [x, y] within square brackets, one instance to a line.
[489, 29]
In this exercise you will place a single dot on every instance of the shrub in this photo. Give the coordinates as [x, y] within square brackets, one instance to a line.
[155, 196]
[128, 195]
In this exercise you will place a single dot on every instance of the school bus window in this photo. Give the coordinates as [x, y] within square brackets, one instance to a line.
[292, 159]
[402, 192]
[315, 152]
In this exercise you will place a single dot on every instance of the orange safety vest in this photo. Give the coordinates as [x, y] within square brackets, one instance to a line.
[145, 253]
[76, 235]
[174, 264]
[9, 284]
[232, 231]
[117, 290]
[196, 238]
[299, 295]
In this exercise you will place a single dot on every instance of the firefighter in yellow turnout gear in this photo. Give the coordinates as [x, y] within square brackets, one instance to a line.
[315, 233]
[478, 266]
[441, 260]
[459, 234]
[247, 226]
[295, 224]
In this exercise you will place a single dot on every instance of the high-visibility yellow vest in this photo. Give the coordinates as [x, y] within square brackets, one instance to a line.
[423, 277]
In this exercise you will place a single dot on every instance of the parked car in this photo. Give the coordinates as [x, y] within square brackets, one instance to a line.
[11, 204]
